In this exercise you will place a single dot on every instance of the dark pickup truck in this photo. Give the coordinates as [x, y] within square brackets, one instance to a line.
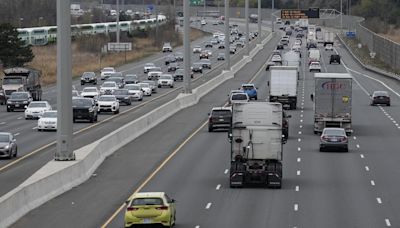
[84, 109]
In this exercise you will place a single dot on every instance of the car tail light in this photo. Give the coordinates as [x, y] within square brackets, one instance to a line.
[162, 208]
[132, 209]
[343, 139]
[324, 138]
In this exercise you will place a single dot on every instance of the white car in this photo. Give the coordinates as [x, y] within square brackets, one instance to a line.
[108, 87]
[90, 92]
[297, 42]
[166, 80]
[106, 72]
[147, 91]
[276, 58]
[196, 49]
[209, 53]
[238, 96]
[167, 47]
[203, 22]
[135, 91]
[148, 66]
[328, 47]
[36, 109]
[315, 66]
[48, 121]
[154, 75]
[108, 103]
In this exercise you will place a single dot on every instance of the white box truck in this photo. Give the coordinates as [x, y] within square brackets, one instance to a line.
[329, 38]
[332, 101]
[282, 85]
[256, 144]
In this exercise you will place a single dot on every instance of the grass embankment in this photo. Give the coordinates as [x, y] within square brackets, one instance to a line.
[45, 56]
[363, 54]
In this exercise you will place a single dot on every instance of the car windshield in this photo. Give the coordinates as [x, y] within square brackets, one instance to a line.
[145, 85]
[121, 92]
[89, 90]
[239, 96]
[107, 98]
[131, 78]
[221, 113]
[37, 105]
[197, 65]
[155, 69]
[248, 87]
[117, 80]
[108, 70]
[81, 102]
[88, 74]
[108, 84]
[19, 96]
[179, 71]
[381, 94]
[165, 77]
[132, 87]
[12, 81]
[149, 65]
[150, 82]
[49, 115]
[147, 201]
[335, 132]
[4, 138]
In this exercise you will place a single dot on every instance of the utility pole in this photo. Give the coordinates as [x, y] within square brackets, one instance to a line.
[227, 37]
[341, 16]
[204, 10]
[186, 45]
[259, 19]
[156, 8]
[117, 21]
[64, 83]
[246, 13]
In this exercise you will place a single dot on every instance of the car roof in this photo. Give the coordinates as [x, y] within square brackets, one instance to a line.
[107, 96]
[221, 108]
[334, 128]
[248, 84]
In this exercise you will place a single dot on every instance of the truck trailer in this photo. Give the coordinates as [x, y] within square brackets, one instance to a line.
[256, 144]
[282, 85]
[329, 38]
[332, 101]
[22, 79]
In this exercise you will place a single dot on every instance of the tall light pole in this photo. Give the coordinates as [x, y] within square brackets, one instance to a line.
[204, 10]
[227, 37]
[186, 45]
[341, 16]
[64, 150]
[246, 14]
[156, 8]
[117, 21]
[272, 16]
[259, 18]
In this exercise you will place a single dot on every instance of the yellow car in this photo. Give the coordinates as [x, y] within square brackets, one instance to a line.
[150, 208]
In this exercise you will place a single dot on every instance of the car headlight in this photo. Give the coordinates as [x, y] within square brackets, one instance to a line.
[90, 109]
[7, 147]
[126, 97]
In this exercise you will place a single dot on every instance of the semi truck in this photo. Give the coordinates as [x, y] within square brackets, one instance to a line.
[256, 144]
[282, 85]
[22, 79]
[328, 38]
[332, 101]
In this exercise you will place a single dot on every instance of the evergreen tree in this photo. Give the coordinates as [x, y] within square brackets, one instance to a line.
[13, 51]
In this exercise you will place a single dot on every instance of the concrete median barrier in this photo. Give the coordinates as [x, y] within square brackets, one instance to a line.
[57, 177]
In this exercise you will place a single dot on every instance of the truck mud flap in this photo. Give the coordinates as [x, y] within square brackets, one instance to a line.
[236, 178]
[274, 175]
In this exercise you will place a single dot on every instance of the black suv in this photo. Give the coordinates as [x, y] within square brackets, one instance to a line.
[335, 58]
[18, 100]
[220, 117]
[179, 74]
[84, 109]
[88, 77]
[285, 125]
[170, 59]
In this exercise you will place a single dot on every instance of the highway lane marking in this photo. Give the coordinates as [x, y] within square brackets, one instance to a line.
[301, 111]
[298, 172]
[362, 155]
[197, 226]
[296, 207]
[16, 134]
[2, 123]
[366, 168]
[297, 188]
[379, 200]
[301, 119]
[299, 139]
[387, 221]
[354, 137]
[19, 118]
[358, 146]
[298, 159]
[299, 132]
[301, 115]
[157, 170]
[208, 206]
[372, 182]
[226, 171]
[298, 149]
[34, 128]
[218, 187]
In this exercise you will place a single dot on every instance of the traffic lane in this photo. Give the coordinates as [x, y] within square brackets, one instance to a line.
[127, 167]
[331, 187]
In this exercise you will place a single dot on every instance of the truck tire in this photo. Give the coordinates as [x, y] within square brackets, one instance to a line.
[210, 128]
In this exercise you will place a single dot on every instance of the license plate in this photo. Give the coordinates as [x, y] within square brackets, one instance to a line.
[221, 120]
[146, 221]
[334, 140]
[17, 105]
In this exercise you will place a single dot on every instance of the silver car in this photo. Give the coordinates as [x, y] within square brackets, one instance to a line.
[8, 145]
[334, 138]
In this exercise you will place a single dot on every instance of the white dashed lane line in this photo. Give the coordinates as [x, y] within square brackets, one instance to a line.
[298, 159]
[218, 187]
[226, 171]
[362, 156]
[387, 221]
[296, 207]
[299, 139]
[379, 200]
[298, 172]
[297, 188]
[366, 168]
[298, 148]
[16, 134]
[372, 182]
[2, 123]
[208, 206]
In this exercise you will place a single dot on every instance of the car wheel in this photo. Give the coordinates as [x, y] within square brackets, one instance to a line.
[116, 111]
[346, 149]
[256, 98]
[129, 103]
[82, 83]
[173, 87]
[388, 104]
[16, 152]
[141, 99]
[320, 149]
[39, 129]
[159, 86]
[8, 110]
[10, 155]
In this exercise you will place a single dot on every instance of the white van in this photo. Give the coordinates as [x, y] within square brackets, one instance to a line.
[314, 55]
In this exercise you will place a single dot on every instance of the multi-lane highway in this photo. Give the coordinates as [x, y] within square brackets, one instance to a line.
[37, 148]
[180, 157]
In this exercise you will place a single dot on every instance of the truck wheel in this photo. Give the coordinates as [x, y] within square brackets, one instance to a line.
[210, 128]
[74, 120]
[256, 98]
[346, 149]
[315, 132]
[8, 110]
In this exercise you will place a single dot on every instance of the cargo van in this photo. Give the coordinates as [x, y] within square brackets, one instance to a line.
[314, 55]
